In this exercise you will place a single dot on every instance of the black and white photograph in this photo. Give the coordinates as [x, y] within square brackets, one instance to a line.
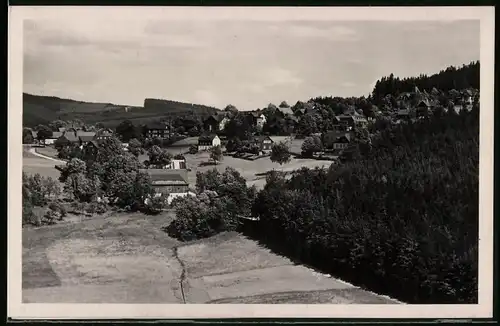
[251, 162]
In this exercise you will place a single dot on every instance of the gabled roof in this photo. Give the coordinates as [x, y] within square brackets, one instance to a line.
[167, 176]
[71, 136]
[286, 110]
[81, 133]
[262, 138]
[56, 134]
[156, 125]
[425, 102]
[344, 138]
[207, 138]
[86, 138]
[104, 132]
[215, 117]
[255, 114]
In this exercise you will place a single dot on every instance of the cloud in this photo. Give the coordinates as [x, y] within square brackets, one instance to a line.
[246, 63]
[348, 84]
[333, 33]
[207, 97]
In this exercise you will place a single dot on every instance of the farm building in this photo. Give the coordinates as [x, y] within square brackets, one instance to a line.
[257, 119]
[157, 130]
[171, 183]
[335, 140]
[206, 142]
[215, 122]
[265, 143]
[51, 140]
[103, 134]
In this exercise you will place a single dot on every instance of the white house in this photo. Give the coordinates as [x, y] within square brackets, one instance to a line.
[52, 139]
[206, 142]
[261, 120]
[169, 183]
[177, 164]
[223, 122]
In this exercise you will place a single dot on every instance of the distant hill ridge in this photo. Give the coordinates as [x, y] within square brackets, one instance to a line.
[38, 109]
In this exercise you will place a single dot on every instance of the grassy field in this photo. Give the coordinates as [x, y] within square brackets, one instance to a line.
[47, 151]
[33, 164]
[128, 259]
[253, 171]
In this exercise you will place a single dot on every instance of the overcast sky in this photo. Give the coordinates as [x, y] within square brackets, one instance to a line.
[246, 63]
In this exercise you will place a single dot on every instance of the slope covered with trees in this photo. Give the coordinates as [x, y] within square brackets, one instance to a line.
[401, 219]
[450, 78]
[44, 109]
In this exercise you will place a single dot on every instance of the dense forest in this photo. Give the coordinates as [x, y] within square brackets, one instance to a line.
[450, 78]
[401, 218]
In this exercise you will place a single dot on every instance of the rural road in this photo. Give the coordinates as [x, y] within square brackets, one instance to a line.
[34, 152]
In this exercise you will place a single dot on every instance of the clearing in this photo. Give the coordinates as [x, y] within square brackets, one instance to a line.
[128, 259]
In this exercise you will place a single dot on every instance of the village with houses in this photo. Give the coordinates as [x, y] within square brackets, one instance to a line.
[273, 174]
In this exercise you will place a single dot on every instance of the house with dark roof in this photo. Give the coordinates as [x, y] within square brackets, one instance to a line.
[334, 140]
[157, 130]
[215, 122]
[103, 134]
[168, 182]
[85, 136]
[265, 143]
[51, 140]
[257, 119]
[207, 141]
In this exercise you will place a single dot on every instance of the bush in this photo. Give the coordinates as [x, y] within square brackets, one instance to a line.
[50, 217]
[29, 217]
[193, 149]
[203, 217]
[96, 208]
[222, 200]
[155, 205]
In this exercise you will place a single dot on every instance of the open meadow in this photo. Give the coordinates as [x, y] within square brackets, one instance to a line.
[126, 258]
[33, 164]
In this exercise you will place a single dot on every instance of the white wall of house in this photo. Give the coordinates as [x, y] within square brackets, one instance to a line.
[49, 141]
[171, 197]
[215, 142]
[261, 120]
[223, 123]
[176, 165]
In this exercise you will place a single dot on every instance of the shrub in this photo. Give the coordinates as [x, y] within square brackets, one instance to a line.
[29, 217]
[155, 205]
[50, 217]
[193, 149]
[222, 199]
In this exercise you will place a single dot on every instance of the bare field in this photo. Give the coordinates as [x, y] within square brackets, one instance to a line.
[226, 253]
[128, 259]
[125, 259]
